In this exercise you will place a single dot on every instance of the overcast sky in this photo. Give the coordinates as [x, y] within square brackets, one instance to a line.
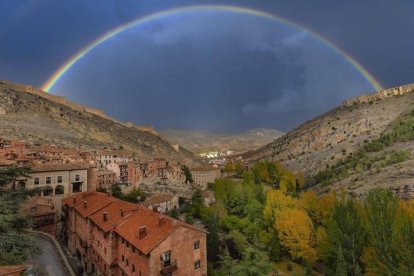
[209, 70]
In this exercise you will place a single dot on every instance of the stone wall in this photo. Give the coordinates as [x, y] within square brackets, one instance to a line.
[392, 92]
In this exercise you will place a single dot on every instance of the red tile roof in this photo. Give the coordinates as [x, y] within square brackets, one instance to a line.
[60, 167]
[94, 202]
[116, 211]
[155, 233]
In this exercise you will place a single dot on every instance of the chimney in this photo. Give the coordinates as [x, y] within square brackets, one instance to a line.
[161, 221]
[142, 232]
[105, 216]
[85, 204]
[74, 200]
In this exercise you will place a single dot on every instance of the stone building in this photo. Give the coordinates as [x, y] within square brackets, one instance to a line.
[121, 171]
[105, 179]
[204, 175]
[113, 237]
[162, 203]
[42, 213]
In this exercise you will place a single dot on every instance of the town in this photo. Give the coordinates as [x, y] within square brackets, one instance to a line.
[73, 203]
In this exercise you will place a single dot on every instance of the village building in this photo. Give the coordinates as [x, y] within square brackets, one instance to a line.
[113, 237]
[106, 157]
[105, 179]
[42, 213]
[120, 169]
[162, 203]
[204, 175]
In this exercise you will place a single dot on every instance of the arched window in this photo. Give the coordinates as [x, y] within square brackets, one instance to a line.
[48, 191]
[59, 190]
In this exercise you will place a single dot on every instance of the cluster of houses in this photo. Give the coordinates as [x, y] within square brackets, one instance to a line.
[110, 236]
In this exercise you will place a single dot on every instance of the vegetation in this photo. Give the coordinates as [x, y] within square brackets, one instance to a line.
[187, 173]
[264, 222]
[134, 196]
[15, 244]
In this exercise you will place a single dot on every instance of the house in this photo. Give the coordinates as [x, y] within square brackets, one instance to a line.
[113, 237]
[120, 169]
[42, 213]
[105, 179]
[162, 203]
[204, 175]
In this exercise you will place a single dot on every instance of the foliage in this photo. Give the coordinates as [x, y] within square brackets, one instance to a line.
[135, 196]
[15, 244]
[9, 174]
[116, 191]
[187, 173]
[296, 233]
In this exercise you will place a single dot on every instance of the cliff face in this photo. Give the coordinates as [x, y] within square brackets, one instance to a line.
[324, 140]
[30, 115]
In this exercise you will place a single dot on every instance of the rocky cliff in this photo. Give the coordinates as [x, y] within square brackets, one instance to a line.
[30, 115]
[321, 142]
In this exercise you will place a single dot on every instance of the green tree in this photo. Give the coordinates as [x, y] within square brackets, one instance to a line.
[10, 174]
[187, 173]
[341, 268]
[135, 196]
[117, 191]
[253, 263]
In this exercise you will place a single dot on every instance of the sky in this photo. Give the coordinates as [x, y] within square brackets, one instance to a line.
[213, 70]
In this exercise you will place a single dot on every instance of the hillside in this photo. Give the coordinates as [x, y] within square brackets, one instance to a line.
[31, 115]
[198, 141]
[342, 145]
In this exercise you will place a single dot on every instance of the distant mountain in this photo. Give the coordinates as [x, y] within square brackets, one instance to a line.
[34, 116]
[366, 142]
[202, 141]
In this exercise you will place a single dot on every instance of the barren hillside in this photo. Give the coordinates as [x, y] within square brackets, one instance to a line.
[28, 115]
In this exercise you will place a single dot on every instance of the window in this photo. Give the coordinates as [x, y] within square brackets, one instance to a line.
[126, 261]
[197, 264]
[123, 241]
[133, 249]
[166, 257]
[48, 191]
[127, 244]
[196, 245]
[59, 179]
[133, 268]
[48, 180]
[36, 181]
[59, 190]
[123, 258]
[77, 177]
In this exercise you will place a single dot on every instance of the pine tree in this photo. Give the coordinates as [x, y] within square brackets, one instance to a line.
[340, 264]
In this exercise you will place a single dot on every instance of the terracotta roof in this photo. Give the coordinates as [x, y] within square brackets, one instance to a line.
[60, 167]
[79, 197]
[12, 270]
[94, 202]
[155, 233]
[116, 212]
[157, 199]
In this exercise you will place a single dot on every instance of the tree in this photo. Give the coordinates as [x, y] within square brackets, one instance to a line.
[135, 196]
[345, 232]
[253, 263]
[296, 233]
[188, 174]
[10, 174]
[340, 264]
[381, 210]
[213, 240]
[117, 191]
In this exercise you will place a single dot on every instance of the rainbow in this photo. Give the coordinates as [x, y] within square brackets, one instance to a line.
[241, 10]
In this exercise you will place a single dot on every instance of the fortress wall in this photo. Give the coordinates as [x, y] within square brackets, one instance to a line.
[387, 93]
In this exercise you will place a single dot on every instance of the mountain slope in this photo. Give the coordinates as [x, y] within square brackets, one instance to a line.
[343, 143]
[31, 115]
[198, 141]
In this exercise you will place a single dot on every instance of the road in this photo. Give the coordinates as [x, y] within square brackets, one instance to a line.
[48, 261]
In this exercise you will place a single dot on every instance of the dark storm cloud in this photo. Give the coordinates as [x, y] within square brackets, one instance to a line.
[231, 74]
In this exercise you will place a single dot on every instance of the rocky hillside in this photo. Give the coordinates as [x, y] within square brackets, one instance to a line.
[199, 142]
[30, 115]
[359, 145]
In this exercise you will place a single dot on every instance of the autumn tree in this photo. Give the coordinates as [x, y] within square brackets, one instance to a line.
[296, 233]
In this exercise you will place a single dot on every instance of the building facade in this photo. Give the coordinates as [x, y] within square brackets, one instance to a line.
[113, 237]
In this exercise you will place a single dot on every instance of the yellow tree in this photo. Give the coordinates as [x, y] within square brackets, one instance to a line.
[276, 200]
[296, 233]
[324, 207]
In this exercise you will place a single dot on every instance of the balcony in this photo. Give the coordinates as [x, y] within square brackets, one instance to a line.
[169, 267]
